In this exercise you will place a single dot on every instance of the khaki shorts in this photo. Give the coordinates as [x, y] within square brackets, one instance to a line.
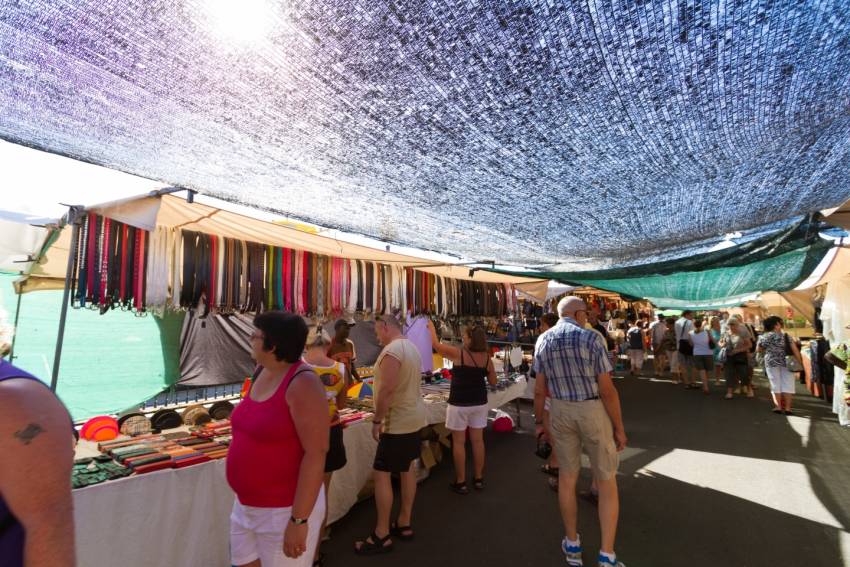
[577, 425]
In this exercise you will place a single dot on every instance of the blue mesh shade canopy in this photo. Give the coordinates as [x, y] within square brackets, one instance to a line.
[526, 132]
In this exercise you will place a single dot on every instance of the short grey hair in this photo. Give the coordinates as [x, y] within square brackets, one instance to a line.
[570, 305]
[390, 320]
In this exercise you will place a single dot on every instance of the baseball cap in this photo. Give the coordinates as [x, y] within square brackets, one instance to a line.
[346, 322]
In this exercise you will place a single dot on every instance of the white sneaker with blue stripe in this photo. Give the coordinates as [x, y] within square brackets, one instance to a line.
[605, 562]
[572, 553]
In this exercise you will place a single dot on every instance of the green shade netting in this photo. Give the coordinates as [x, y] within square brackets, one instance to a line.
[108, 362]
[709, 287]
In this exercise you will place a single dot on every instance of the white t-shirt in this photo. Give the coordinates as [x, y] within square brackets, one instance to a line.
[700, 341]
[682, 328]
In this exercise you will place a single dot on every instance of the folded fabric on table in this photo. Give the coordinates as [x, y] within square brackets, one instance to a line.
[159, 457]
[154, 467]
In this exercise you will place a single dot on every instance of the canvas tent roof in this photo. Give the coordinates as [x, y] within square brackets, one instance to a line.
[149, 211]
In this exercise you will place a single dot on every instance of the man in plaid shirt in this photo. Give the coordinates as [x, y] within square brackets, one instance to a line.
[571, 363]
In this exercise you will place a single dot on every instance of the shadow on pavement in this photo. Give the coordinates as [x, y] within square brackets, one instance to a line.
[782, 497]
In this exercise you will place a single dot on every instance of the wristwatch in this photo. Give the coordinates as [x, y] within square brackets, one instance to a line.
[298, 521]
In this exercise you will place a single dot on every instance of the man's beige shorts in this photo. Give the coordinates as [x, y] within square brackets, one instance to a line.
[584, 424]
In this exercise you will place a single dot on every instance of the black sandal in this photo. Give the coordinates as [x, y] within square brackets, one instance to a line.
[404, 533]
[374, 547]
[551, 471]
[478, 483]
[459, 487]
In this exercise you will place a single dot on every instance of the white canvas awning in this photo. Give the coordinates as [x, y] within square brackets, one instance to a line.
[149, 211]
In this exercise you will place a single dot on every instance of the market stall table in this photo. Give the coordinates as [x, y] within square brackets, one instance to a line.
[182, 516]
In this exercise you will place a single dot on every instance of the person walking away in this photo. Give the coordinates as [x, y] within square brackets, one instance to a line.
[342, 348]
[736, 341]
[548, 321]
[724, 322]
[335, 379]
[277, 454]
[775, 345]
[472, 369]
[656, 340]
[399, 417]
[716, 335]
[572, 363]
[671, 349]
[751, 356]
[634, 340]
[683, 326]
[37, 444]
[703, 357]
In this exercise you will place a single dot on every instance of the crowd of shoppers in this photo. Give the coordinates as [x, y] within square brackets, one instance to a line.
[287, 438]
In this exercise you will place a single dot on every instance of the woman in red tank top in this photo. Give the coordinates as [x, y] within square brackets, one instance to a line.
[276, 460]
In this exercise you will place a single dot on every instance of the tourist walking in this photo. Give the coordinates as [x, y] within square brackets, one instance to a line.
[276, 460]
[472, 369]
[635, 343]
[670, 346]
[572, 363]
[399, 417]
[776, 346]
[548, 321]
[703, 357]
[656, 339]
[716, 335]
[682, 327]
[335, 379]
[736, 343]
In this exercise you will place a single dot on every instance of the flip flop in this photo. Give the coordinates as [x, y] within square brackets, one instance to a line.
[551, 471]
[404, 533]
[375, 547]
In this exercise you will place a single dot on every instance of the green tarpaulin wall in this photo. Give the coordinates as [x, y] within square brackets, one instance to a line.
[109, 362]
[777, 262]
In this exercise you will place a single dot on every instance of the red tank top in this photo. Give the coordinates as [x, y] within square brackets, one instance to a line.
[265, 453]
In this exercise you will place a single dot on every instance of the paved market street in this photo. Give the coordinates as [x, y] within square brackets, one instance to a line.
[705, 482]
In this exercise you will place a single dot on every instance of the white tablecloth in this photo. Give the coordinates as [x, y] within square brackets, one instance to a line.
[182, 517]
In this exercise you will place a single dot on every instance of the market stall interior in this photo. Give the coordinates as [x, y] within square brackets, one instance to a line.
[642, 156]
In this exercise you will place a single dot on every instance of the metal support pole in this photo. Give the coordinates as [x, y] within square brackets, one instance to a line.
[15, 332]
[74, 219]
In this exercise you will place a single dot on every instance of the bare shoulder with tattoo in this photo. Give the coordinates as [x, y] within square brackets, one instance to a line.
[35, 477]
[28, 433]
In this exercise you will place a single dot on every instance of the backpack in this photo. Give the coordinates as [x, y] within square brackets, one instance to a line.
[635, 337]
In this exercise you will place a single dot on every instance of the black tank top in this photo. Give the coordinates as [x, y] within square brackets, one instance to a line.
[469, 384]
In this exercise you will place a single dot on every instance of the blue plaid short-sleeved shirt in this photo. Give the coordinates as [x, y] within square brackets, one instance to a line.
[571, 358]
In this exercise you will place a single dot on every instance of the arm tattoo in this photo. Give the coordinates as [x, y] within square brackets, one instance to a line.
[30, 432]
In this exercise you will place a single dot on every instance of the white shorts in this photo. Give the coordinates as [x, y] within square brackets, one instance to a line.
[257, 533]
[674, 361]
[636, 357]
[458, 418]
[781, 379]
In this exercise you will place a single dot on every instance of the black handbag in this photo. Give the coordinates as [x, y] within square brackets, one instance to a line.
[685, 346]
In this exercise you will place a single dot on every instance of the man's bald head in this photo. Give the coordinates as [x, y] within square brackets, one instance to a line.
[570, 305]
